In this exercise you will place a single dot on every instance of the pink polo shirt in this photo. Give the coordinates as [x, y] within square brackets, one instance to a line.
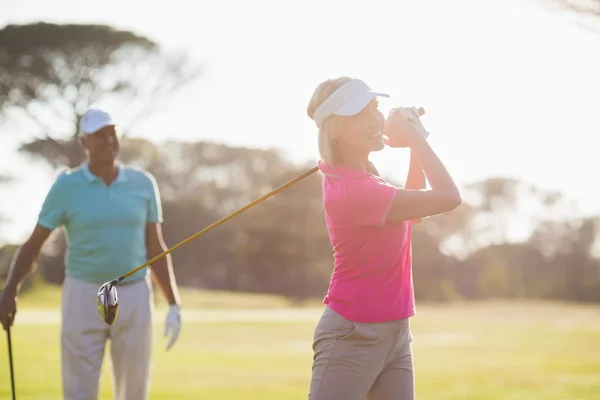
[372, 275]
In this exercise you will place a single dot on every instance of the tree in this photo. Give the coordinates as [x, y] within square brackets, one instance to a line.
[581, 7]
[4, 179]
[569, 268]
[270, 247]
[50, 74]
[282, 244]
[586, 12]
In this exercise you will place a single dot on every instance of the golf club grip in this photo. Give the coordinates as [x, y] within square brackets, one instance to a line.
[219, 222]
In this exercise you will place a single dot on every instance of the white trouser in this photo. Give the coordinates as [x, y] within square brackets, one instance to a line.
[84, 335]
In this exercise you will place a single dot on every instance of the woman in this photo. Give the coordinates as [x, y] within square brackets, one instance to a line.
[362, 341]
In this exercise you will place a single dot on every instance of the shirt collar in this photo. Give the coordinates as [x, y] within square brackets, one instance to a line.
[342, 170]
[90, 177]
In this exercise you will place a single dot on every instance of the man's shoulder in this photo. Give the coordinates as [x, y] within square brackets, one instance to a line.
[137, 173]
[66, 176]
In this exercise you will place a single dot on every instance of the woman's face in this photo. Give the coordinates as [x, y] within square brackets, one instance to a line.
[363, 132]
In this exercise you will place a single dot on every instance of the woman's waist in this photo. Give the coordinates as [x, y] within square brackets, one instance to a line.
[376, 308]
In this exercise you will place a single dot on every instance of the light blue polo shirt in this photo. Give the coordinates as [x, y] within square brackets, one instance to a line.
[105, 225]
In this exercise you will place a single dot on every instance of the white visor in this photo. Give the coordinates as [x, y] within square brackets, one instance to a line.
[350, 99]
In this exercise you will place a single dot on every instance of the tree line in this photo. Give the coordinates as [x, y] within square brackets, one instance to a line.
[50, 74]
[281, 245]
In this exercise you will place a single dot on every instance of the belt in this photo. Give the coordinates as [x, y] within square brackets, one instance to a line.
[122, 283]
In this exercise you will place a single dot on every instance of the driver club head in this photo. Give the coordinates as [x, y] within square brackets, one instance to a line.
[107, 302]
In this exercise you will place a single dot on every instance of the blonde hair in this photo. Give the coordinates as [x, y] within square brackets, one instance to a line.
[330, 127]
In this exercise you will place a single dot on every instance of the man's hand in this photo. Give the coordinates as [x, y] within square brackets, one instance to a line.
[8, 308]
[173, 324]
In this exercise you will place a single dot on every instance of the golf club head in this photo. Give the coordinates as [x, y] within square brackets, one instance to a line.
[107, 302]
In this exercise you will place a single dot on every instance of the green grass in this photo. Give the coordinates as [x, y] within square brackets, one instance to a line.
[491, 351]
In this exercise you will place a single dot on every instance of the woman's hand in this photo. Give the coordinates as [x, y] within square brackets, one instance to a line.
[402, 125]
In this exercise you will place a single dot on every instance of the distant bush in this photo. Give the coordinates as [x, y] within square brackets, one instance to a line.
[7, 252]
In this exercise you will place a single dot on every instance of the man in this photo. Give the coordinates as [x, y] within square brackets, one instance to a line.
[112, 217]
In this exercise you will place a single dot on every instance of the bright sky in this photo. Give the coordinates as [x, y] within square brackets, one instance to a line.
[510, 88]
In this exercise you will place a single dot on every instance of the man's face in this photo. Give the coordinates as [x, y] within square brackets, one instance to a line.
[102, 145]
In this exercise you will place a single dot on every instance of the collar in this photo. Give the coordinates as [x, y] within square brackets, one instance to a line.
[90, 177]
[345, 170]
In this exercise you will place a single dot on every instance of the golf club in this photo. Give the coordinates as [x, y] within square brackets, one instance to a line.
[10, 362]
[107, 299]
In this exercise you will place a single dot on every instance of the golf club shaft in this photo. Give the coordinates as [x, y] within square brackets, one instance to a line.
[10, 361]
[219, 222]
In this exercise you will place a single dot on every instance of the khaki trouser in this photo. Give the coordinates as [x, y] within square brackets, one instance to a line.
[358, 361]
[84, 335]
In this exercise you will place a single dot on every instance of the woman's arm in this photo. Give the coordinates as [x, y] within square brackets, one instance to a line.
[444, 196]
[416, 176]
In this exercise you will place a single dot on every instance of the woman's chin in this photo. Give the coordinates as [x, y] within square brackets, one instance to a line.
[378, 146]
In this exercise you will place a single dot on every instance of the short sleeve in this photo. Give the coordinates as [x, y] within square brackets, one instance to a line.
[154, 214]
[369, 201]
[52, 214]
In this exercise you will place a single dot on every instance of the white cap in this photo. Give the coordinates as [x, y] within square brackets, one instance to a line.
[93, 120]
[350, 99]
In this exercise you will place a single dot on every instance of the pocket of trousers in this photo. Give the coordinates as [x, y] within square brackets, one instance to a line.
[333, 326]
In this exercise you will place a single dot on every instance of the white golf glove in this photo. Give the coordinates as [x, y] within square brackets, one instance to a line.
[172, 324]
[412, 114]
